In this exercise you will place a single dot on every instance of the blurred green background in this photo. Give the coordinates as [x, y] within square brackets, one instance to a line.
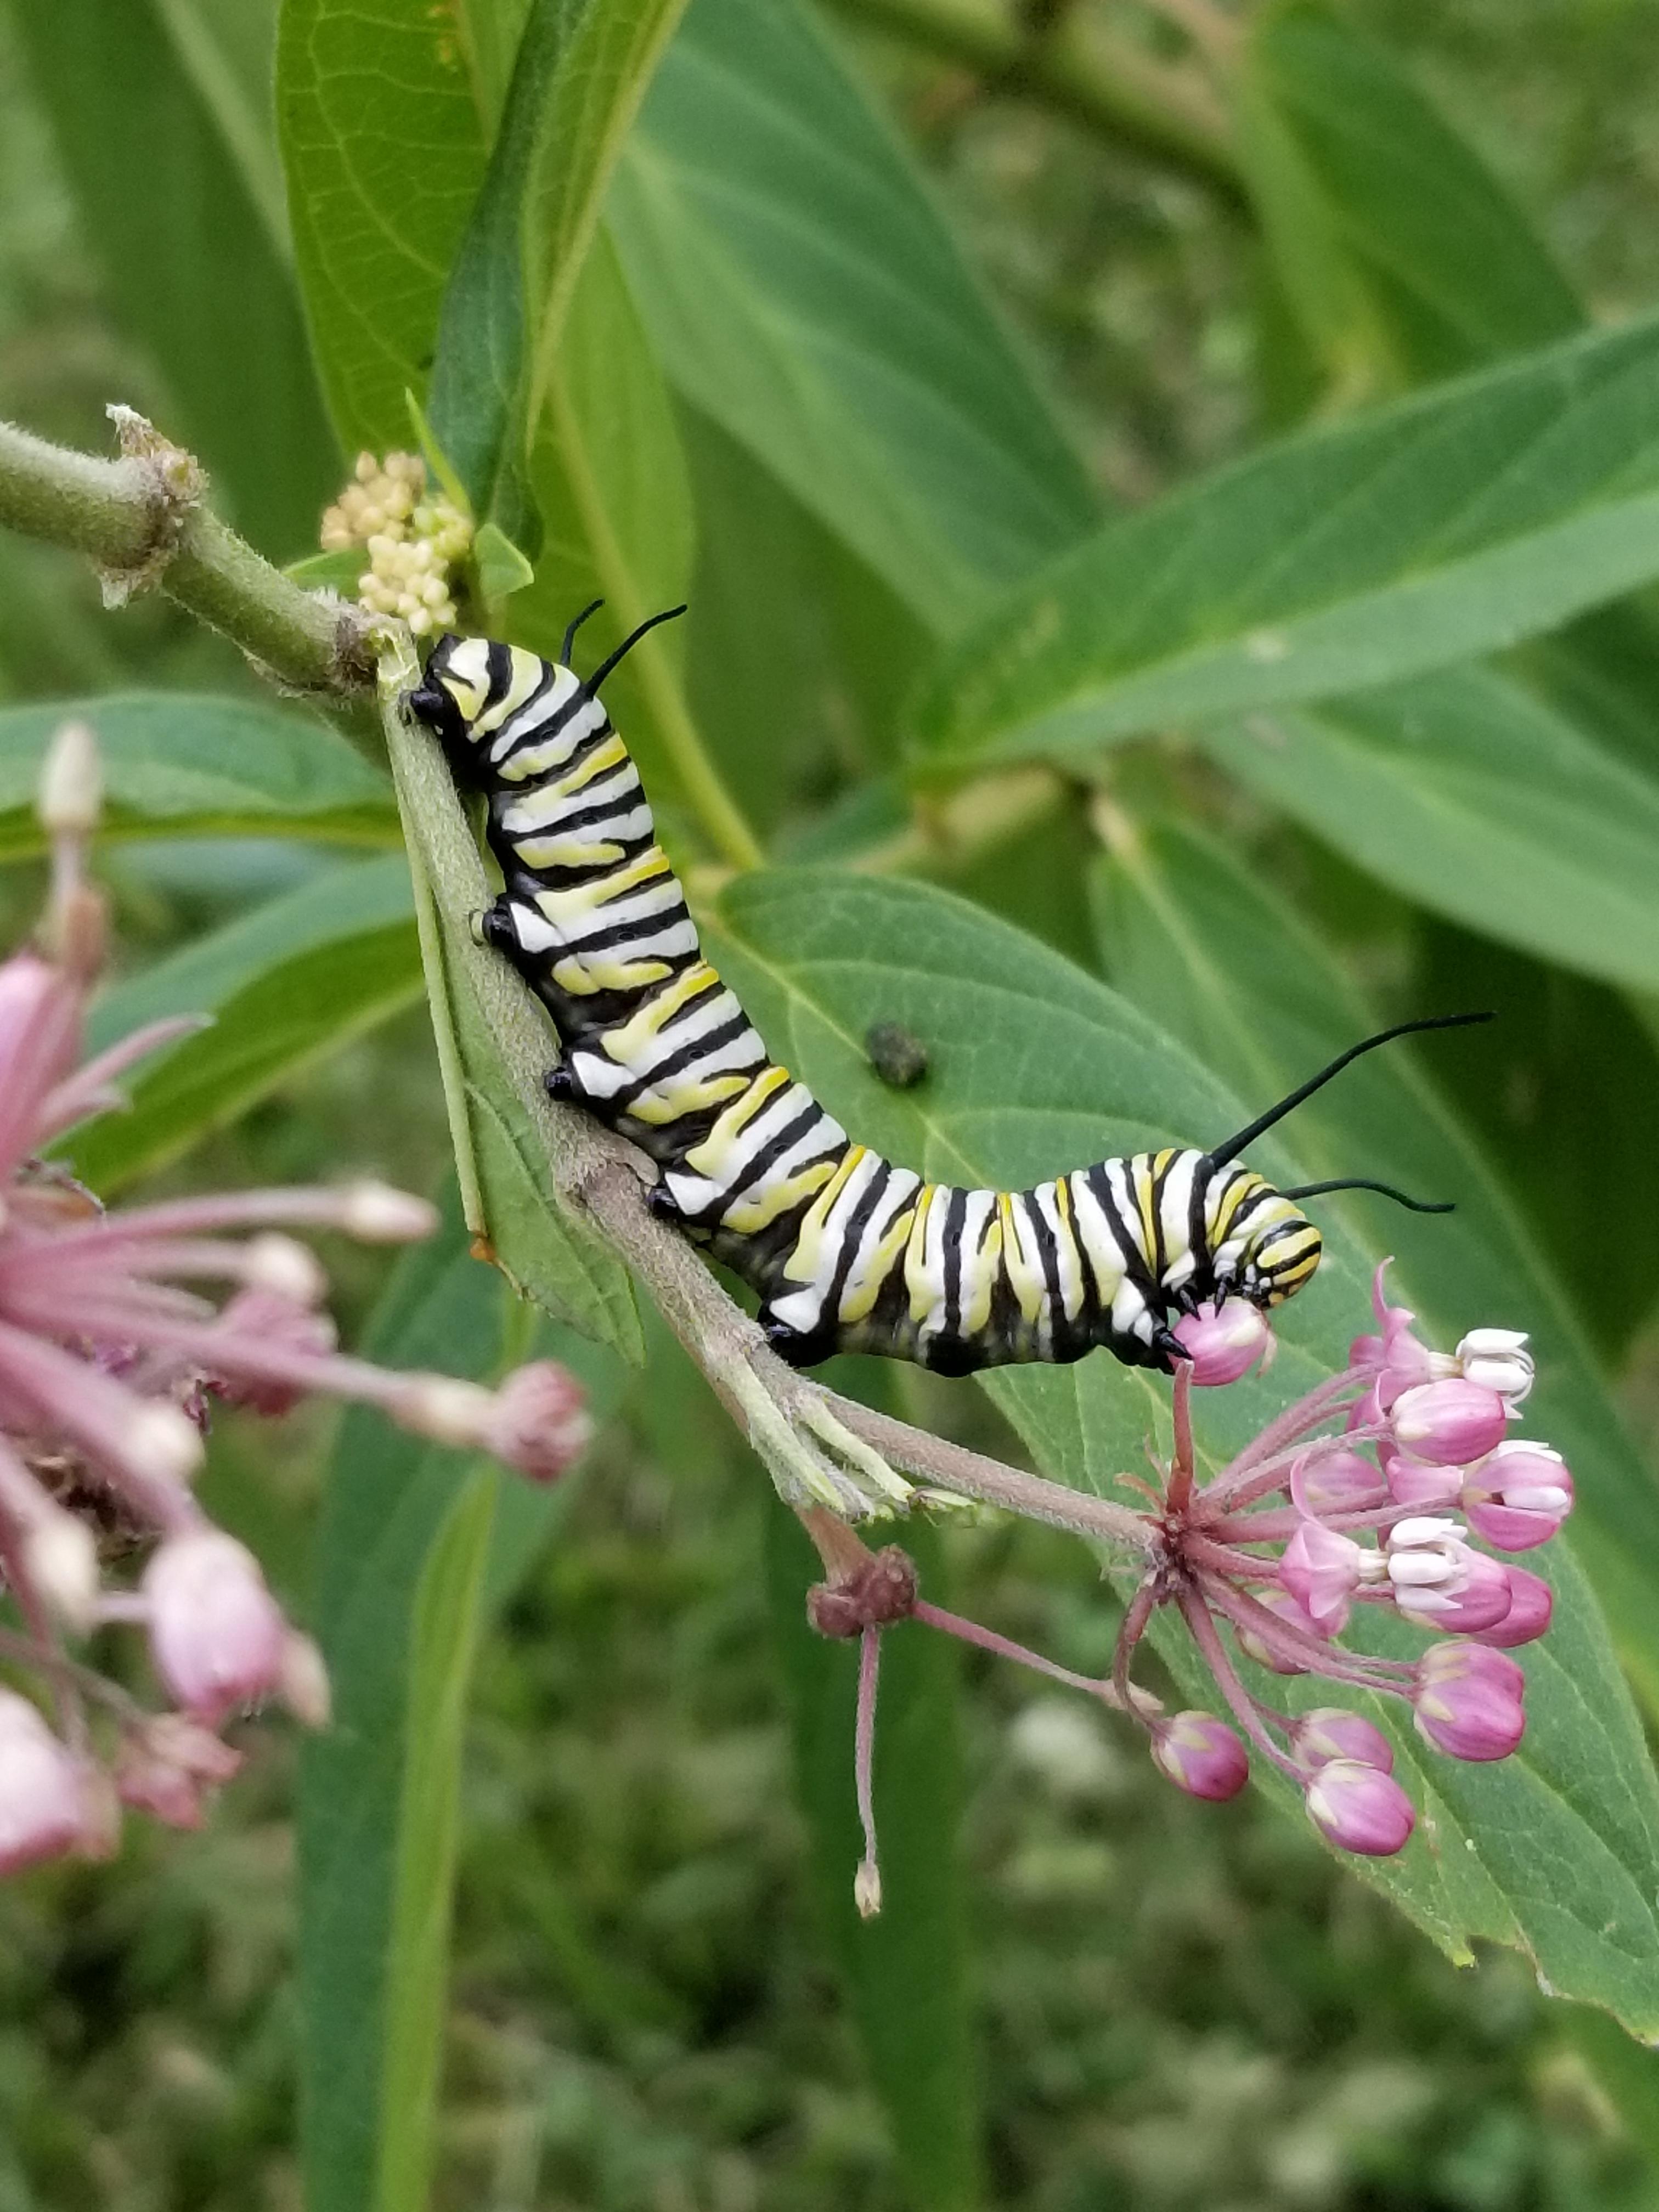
[1177, 2007]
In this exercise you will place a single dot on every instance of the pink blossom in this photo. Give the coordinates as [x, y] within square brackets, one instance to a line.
[1449, 1423]
[1416, 1486]
[1264, 1644]
[1322, 1570]
[1439, 1580]
[1360, 1809]
[1327, 1481]
[1224, 1346]
[43, 1799]
[1518, 1496]
[1467, 1700]
[1200, 1755]
[215, 1629]
[1526, 1615]
[1333, 1732]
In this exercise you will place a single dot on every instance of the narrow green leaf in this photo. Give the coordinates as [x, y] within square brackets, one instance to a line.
[1240, 980]
[803, 292]
[410, 1566]
[1474, 799]
[292, 980]
[179, 766]
[1034, 1067]
[190, 262]
[904, 1972]
[384, 155]
[1403, 258]
[1428, 532]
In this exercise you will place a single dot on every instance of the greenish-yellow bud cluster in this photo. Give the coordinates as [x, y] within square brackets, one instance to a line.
[414, 543]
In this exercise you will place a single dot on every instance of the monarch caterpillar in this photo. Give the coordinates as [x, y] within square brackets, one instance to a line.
[847, 1252]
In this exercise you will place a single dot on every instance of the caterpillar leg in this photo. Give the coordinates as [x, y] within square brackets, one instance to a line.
[492, 926]
[560, 1084]
[796, 1348]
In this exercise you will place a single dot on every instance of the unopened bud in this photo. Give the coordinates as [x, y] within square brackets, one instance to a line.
[71, 792]
[1266, 1647]
[1360, 1809]
[215, 1632]
[1527, 1614]
[867, 1889]
[1326, 1481]
[285, 1268]
[1200, 1755]
[60, 1566]
[1469, 1700]
[44, 1800]
[1224, 1346]
[303, 1684]
[163, 1442]
[375, 1213]
[1450, 1423]
[540, 1425]
[1333, 1732]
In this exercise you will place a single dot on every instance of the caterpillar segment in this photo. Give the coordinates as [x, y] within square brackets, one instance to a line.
[846, 1250]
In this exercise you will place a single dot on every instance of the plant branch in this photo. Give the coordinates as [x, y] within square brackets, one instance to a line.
[142, 522]
[1071, 66]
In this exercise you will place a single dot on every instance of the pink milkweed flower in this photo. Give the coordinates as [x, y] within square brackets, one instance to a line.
[1450, 1423]
[1200, 1755]
[1360, 1809]
[1518, 1496]
[112, 1353]
[1469, 1700]
[1224, 1346]
[1318, 1517]
[1496, 1360]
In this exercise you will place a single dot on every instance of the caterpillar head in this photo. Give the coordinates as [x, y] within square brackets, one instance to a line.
[452, 692]
[1279, 1252]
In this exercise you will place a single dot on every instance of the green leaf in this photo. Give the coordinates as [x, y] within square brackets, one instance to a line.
[1034, 1067]
[384, 155]
[1403, 259]
[802, 291]
[501, 568]
[190, 765]
[580, 72]
[1426, 533]
[404, 1572]
[905, 1971]
[1474, 799]
[191, 262]
[295, 979]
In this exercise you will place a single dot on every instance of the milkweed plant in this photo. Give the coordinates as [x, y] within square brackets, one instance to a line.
[1028, 825]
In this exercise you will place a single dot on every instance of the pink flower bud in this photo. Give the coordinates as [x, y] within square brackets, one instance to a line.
[1395, 1358]
[1518, 1496]
[1468, 1701]
[1333, 1732]
[1321, 1569]
[1417, 1487]
[1325, 1481]
[167, 1765]
[270, 1319]
[1450, 1423]
[1224, 1346]
[1200, 1755]
[1360, 1809]
[1498, 1359]
[1530, 1606]
[44, 1806]
[1269, 1652]
[539, 1424]
[215, 1633]
[1439, 1580]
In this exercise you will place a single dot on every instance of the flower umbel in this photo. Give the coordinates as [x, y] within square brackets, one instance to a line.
[1329, 1511]
[414, 541]
[110, 1358]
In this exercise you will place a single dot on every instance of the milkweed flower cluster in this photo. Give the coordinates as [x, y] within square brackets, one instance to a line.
[111, 1360]
[415, 541]
[1377, 1491]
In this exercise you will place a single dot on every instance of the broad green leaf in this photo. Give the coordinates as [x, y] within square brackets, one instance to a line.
[1034, 1068]
[384, 155]
[1428, 532]
[404, 1577]
[547, 1249]
[1469, 794]
[1240, 980]
[296, 978]
[186, 765]
[191, 266]
[1403, 259]
[803, 292]
[905, 1973]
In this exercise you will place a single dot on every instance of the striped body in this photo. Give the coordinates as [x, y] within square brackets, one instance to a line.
[847, 1251]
